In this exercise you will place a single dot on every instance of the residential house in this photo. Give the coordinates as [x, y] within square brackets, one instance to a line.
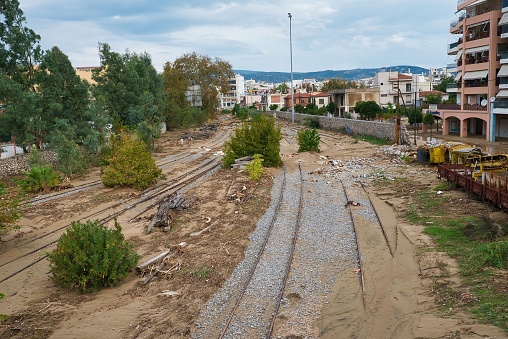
[346, 99]
[299, 98]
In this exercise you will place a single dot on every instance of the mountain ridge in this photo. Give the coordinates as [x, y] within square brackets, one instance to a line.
[351, 74]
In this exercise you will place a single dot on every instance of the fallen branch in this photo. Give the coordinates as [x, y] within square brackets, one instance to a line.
[195, 234]
[151, 261]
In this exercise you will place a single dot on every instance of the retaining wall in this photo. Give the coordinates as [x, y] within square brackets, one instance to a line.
[360, 127]
[19, 163]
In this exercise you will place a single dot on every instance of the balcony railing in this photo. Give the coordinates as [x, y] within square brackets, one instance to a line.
[455, 22]
[460, 2]
[475, 83]
[501, 104]
[474, 107]
[477, 60]
[503, 55]
[452, 107]
[454, 65]
[454, 45]
[453, 85]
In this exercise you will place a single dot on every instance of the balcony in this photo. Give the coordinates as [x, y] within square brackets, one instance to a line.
[477, 35]
[503, 83]
[452, 68]
[476, 60]
[475, 83]
[453, 48]
[453, 87]
[474, 107]
[503, 57]
[451, 107]
[500, 107]
[504, 31]
[457, 21]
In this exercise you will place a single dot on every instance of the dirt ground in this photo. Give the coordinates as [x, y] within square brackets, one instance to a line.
[400, 293]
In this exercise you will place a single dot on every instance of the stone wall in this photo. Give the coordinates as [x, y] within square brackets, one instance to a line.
[19, 163]
[359, 127]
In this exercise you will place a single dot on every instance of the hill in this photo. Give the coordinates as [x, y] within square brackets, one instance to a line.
[353, 74]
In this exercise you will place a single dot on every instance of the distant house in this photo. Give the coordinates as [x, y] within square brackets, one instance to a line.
[346, 99]
[320, 99]
[299, 99]
[85, 73]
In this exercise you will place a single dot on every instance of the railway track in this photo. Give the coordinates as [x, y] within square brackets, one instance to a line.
[256, 299]
[180, 158]
[29, 253]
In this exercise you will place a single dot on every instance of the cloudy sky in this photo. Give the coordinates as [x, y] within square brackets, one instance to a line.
[251, 35]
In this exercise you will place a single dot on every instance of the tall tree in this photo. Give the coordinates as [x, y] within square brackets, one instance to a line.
[131, 91]
[19, 45]
[211, 75]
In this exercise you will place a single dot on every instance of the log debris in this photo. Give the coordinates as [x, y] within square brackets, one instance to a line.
[195, 234]
[166, 211]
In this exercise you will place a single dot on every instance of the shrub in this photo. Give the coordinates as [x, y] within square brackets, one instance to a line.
[90, 256]
[35, 157]
[10, 212]
[308, 140]
[39, 178]
[255, 168]
[259, 136]
[131, 164]
[311, 122]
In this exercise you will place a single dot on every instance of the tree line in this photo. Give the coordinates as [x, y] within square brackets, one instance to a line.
[45, 104]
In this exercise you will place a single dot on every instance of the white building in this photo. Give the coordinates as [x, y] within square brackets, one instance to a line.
[235, 94]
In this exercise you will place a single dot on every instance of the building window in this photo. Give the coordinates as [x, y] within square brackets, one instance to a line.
[321, 101]
[384, 95]
[302, 101]
[408, 87]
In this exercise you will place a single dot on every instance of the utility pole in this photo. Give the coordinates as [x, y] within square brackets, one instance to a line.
[291, 57]
[415, 124]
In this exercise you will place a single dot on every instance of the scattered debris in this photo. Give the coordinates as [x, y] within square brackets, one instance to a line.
[169, 293]
[166, 210]
[195, 234]
[241, 162]
[352, 203]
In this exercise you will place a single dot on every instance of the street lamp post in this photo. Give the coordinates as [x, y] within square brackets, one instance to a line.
[291, 58]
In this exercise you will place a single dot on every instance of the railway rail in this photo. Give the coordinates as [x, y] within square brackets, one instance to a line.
[32, 249]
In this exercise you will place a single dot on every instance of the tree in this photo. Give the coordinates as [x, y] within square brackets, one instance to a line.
[433, 99]
[367, 109]
[338, 83]
[282, 88]
[441, 87]
[299, 108]
[330, 108]
[19, 45]
[211, 75]
[131, 91]
[311, 108]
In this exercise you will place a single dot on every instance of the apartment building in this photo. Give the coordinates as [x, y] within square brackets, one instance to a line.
[480, 53]
[235, 94]
[400, 88]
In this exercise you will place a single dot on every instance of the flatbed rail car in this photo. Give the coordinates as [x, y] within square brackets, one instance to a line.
[491, 186]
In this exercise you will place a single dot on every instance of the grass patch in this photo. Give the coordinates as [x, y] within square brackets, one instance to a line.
[371, 139]
[480, 246]
[444, 186]
[201, 272]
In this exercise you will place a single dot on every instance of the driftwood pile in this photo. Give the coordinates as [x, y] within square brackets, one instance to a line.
[240, 163]
[166, 211]
[204, 132]
[162, 263]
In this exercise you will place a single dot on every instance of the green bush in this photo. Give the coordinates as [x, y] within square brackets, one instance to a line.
[259, 136]
[90, 256]
[311, 122]
[255, 168]
[10, 212]
[35, 157]
[39, 178]
[131, 164]
[308, 140]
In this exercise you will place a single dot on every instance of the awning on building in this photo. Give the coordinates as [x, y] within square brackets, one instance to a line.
[503, 72]
[504, 20]
[459, 54]
[477, 2]
[502, 93]
[476, 75]
[458, 76]
[478, 24]
[477, 49]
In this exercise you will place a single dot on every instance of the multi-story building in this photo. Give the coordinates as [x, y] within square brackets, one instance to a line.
[235, 94]
[400, 88]
[480, 51]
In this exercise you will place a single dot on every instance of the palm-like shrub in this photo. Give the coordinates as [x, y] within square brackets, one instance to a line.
[90, 256]
[39, 178]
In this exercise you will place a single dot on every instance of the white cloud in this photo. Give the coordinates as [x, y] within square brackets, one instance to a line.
[251, 35]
